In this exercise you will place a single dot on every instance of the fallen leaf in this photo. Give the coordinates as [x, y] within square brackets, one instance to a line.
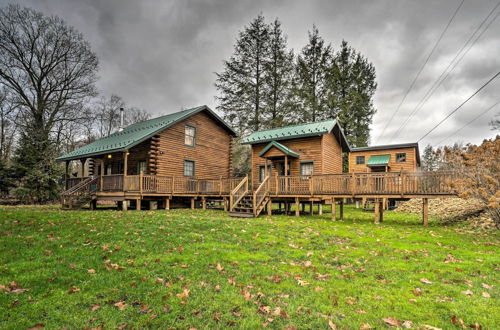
[183, 294]
[332, 325]
[365, 326]
[121, 305]
[360, 311]
[486, 295]
[456, 320]
[91, 271]
[73, 289]
[407, 324]
[220, 268]
[468, 292]
[217, 288]
[95, 307]
[37, 326]
[486, 286]
[392, 321]
[426, 281]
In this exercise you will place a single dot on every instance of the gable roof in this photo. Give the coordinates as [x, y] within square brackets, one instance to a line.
[299, 131]
[281, 147]
[137, 133]
[390, 147]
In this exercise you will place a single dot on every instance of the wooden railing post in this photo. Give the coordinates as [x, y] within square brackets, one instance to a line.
[311, 185]
[220, 186]
[402, 183]
[141, 174]
[353, 184]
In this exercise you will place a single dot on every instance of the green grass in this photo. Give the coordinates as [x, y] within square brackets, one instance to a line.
[352, 272]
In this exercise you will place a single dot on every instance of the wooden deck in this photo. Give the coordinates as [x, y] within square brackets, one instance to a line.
[371, 185]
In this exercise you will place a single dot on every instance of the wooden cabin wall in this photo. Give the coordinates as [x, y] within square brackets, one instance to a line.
[332, 155]
[308, 148]
[211, 153]
[409, 166]
[137, 153]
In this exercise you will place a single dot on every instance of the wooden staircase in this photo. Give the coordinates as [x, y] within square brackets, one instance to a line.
[244, 204]
[80, 194]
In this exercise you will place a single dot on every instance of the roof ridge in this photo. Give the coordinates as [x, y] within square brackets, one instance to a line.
[294, 125]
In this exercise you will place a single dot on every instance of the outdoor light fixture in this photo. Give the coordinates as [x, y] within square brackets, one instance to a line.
[109, 156]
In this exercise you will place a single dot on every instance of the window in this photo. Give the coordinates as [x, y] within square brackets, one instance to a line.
[189, 168]
[401, 157]
[306, 168]
[360, 160]
[189, 136]
[141, 166]
[262, 170]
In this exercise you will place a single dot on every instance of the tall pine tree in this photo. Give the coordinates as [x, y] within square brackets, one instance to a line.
[242, 85]
[351, 86]
[311, 79]
[279, 74]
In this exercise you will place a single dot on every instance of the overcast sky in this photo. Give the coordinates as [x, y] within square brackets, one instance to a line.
[161, 55]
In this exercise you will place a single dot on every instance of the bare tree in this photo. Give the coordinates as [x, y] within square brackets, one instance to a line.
[135, 115]
[8, 128]
[47, 66]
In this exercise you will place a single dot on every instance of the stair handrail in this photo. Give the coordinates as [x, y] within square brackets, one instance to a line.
[238, 192]
[78, 186]
[260, 195]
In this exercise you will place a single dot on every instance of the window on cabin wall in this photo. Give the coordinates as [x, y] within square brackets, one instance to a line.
[306, 168]
[189, 168]
[360, 160]
[262, 170]
[141, 166]
[190, 135]
[401, 157]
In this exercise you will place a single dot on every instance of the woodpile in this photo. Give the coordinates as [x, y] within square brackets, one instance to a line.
[452, 210]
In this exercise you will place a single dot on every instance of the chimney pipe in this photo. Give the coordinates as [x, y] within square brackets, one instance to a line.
[121, 120]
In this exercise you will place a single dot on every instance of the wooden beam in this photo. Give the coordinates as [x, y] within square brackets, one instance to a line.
[125, 205]
[192, 203]
[102, 175]
[66, 171]
[204, 203]
[334, 210]
[297, 211]
[225, 204]
[377, 211]
[381, 210]
[341, 205]
[83, 166]
[138, 204]
[320, 208]
[125, 163]
[270, 207]
[425, 211]
[167, 203]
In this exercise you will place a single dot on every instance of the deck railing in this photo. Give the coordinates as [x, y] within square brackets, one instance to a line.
[237, 194]
[355, 184]
[260, 195]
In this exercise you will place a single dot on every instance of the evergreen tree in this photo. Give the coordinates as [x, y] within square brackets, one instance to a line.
[242, 84]
[35, 168]
[351, 86]
[311, 79]
[430, 159]
[279, 73]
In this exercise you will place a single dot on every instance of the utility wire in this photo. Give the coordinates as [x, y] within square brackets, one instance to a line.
[444, 75]
[421, 68]
[458, 108]
[470, 122]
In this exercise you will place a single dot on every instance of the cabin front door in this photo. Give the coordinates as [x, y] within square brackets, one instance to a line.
[280, 168]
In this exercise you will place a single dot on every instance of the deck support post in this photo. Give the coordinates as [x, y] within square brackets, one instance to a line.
[192, 203]
[425, 211]
[270, 207]
[363, 202]
[381, 210]
[93, 204]
[334, 210]
[320, 208]
[341, 206]
[138, 204]
[125, 205]
[204, 203]
[225, 204]
[153, 205]
[357, 204]
[377, 211]
[167, 203]
[311, 208]
[303, 207]
[297, 210]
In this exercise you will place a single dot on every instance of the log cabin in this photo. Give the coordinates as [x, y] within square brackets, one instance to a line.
[189, 145]
[385, 158]
[305, 149]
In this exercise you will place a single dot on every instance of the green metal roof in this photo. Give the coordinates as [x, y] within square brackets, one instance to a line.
[136, 133]
[378, 160]
[288, 132]
[281, 147]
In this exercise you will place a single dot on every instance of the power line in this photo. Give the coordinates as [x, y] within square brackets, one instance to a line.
[421, 68]
[444, 75]
[458, 108]
[470, 122]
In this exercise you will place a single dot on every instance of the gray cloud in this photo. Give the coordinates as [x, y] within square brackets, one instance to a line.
[162, 56]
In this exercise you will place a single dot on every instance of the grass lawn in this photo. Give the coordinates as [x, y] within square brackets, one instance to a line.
[203, 269]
